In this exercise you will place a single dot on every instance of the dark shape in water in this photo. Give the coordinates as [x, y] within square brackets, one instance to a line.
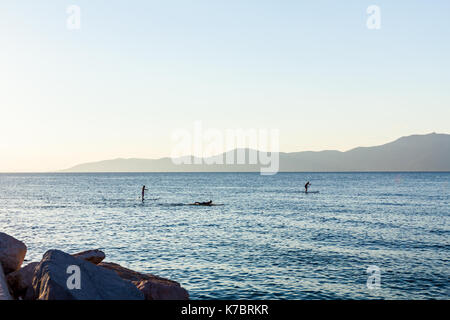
[207, 203]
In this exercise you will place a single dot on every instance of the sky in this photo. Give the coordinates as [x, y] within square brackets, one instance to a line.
[136, 71]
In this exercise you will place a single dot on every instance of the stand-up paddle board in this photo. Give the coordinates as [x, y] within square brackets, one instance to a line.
[310, 192]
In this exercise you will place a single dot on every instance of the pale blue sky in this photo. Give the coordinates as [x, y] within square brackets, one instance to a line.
[138, 70]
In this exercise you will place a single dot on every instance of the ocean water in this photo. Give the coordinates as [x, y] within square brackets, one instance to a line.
[267, 241]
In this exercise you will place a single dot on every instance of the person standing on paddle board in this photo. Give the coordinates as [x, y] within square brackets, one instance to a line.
[307, 186]
[143, 192]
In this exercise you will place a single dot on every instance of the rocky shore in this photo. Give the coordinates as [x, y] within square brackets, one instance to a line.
[79, 276]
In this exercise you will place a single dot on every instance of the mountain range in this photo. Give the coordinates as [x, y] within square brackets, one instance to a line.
[429, 152]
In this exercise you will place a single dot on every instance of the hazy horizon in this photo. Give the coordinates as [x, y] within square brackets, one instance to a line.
[419, 153]
[55, 170]
[134, 73]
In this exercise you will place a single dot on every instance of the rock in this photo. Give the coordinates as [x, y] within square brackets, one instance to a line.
[56, 277]
[94, 256]
[4, 290]
[12, 253]
[153, 287]
[20, 281]
[156, 290]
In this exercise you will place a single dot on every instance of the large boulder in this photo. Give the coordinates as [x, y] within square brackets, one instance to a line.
[55, 278]
[20, 281]
[12, 253]
[4, 290]
[157, 290]
[153, 287]
[94, 256]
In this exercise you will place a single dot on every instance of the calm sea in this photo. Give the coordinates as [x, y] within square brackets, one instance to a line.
[267, 241]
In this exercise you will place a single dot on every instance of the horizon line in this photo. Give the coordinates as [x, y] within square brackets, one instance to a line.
[194, 172]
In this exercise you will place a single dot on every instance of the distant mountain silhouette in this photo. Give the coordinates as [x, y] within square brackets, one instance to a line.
[430, 152]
